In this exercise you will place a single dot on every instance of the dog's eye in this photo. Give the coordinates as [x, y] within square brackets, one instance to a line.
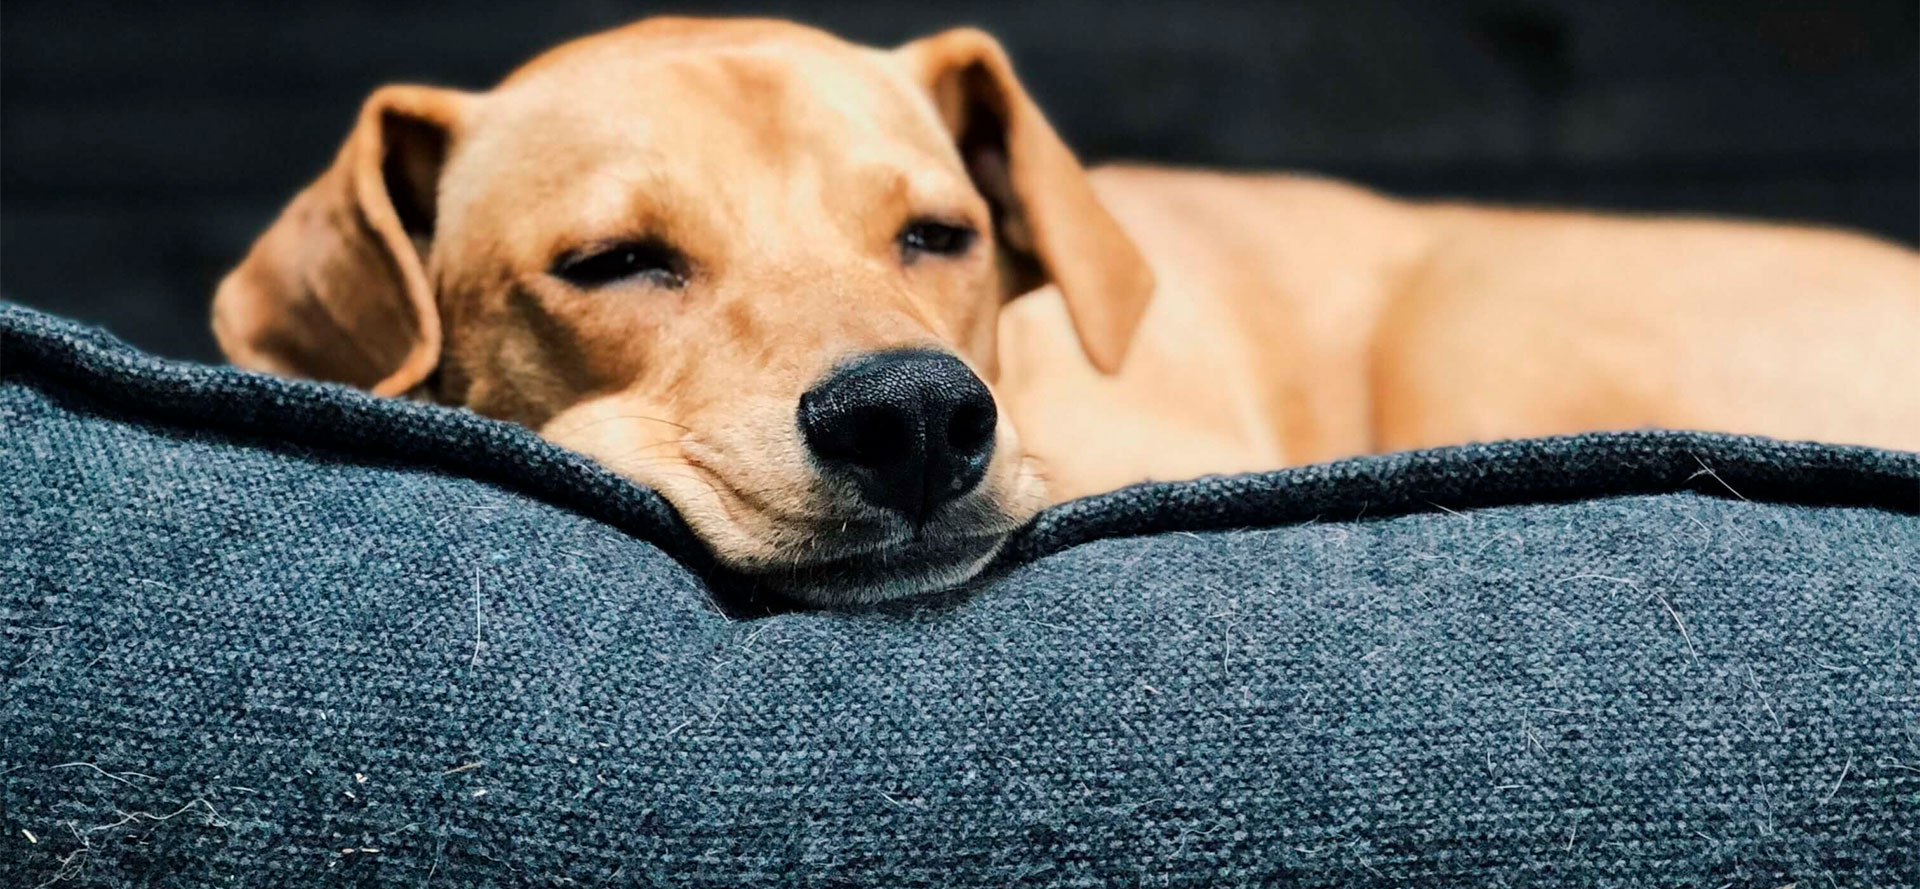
[938, 238]
[651, 261]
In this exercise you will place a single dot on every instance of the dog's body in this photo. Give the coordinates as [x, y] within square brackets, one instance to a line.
[1299, 320]
[764, 271]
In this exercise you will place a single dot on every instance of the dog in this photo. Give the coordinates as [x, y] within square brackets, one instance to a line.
[859, 313]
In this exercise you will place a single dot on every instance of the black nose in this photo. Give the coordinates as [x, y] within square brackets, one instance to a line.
[913, 429]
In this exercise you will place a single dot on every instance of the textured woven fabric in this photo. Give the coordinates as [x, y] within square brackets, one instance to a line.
[263, 633]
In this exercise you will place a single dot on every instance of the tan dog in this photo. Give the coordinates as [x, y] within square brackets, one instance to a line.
[765, 272]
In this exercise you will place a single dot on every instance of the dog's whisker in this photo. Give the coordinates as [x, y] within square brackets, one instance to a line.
[619, 457]
[685, 476]
[662, 444]
[638, 457]
[589, 424]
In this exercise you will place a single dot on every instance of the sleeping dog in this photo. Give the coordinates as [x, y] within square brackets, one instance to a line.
[858, 313]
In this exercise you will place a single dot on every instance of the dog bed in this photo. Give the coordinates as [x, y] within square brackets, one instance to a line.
[271, 633]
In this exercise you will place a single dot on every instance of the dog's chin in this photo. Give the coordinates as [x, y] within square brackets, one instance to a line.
[896, 571]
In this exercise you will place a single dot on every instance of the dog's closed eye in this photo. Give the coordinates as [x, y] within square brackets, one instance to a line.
[932, 236]
[648, 261]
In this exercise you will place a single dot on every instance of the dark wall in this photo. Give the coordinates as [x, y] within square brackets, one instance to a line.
[143, 145]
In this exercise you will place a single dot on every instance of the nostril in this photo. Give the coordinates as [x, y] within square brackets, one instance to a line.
[859, 434]
[970, 429]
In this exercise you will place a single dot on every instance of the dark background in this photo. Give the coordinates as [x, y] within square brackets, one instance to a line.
[143, 145]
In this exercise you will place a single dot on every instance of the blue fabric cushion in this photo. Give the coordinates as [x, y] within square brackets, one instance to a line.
[271, 633]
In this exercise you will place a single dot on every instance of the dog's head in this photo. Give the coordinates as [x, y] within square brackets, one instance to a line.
[746, 263]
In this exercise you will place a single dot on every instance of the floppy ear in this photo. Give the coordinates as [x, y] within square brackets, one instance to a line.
[337, 288]
[1043, 205]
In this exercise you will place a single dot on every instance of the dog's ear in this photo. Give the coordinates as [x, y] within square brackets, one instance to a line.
[1044, 207]
[337, 288]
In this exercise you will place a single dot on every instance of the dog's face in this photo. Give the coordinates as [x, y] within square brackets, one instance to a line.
[745, 263]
